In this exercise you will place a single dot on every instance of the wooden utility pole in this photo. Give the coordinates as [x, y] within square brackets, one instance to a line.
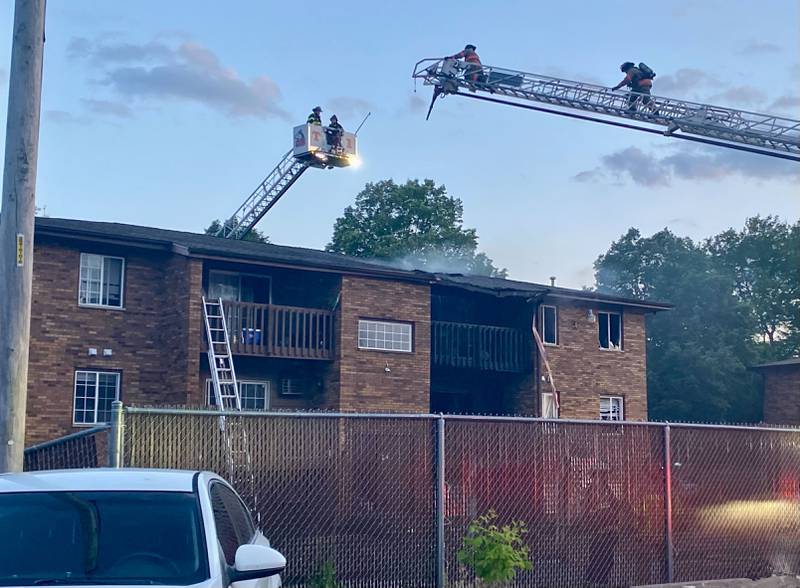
[16, 226]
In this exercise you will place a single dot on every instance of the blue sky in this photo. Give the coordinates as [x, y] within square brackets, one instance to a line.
[169, 113]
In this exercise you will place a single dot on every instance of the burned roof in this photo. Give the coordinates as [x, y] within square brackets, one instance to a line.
[202, 245]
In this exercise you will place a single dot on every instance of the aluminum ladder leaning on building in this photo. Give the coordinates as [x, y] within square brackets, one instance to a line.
[225, 389]
[726, 127]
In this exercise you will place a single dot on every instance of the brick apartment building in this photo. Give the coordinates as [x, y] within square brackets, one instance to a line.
[781, 391]
[117, 313]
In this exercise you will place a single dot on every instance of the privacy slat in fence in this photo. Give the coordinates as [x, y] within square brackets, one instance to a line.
[361, 492]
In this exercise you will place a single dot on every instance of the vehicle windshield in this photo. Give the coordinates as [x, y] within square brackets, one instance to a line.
[69, 538]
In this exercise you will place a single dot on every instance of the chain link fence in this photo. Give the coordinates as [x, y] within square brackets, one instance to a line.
[86, 449]
[387, 499]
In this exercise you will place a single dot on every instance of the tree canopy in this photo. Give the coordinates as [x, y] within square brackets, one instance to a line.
[736, 303]
[415, 225]
[253, 235]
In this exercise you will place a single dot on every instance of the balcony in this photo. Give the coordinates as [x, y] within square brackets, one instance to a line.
[481, 347]
[269, 330]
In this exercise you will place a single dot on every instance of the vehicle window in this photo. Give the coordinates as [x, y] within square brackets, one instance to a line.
[233, 522]
[101, 538]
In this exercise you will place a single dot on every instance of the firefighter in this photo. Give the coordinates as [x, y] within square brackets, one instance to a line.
[474, 66]
[333, 134]
[314, 118]
[640, 81]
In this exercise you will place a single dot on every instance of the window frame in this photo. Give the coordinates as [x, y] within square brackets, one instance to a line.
[609, 314]
[544, 323]
[391, 322]
[296, 383]
[267, 392]
[103, 257]
[97, 374]
[240, 275]
[552, 396]
[612, 398]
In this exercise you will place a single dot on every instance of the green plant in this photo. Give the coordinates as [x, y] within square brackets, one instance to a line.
[325, 577]
[493, 552]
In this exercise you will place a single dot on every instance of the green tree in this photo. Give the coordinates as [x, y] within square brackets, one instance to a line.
[416, 225]
[253, 235]
[698, 353]
[763, 260]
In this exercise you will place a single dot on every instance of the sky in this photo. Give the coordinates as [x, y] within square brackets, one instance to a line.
[168, 114]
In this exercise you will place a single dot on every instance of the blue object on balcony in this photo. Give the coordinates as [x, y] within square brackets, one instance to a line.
[251, 336]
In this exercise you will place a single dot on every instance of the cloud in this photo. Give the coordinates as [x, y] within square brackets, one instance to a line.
[349, 107]
[643, 168]
[684, 80]
[786, 104]
[741, 95]
[758, 48]
[187, 72]
[794, 71]
[108, 107]
[64, 117]
[589, 176]
[689, 163]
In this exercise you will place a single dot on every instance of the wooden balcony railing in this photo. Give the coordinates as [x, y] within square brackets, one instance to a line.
[279, 331]
[481, 347]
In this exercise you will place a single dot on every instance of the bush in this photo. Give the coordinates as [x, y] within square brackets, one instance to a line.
[325, 577]
[495, 553]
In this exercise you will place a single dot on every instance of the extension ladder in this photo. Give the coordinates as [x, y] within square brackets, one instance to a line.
[227, 398]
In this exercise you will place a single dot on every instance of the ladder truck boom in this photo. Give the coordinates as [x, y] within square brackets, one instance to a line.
[310, 149]
[762, 133]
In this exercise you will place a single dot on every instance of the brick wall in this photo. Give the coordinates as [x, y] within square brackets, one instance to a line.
[144, 336]
[782, 395]
[364, 384]
[583, 372]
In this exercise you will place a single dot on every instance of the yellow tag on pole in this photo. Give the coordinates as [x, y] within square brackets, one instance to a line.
[20, 249]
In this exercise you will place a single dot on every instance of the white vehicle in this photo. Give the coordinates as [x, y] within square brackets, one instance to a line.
[128, 527]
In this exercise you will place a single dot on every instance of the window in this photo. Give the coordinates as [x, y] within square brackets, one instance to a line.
[610, 330]
[234, 525]
[612, 408]
[239, 287]
[550, 325]
[384, 336]
[83, 537]
[101, 280]
[94, 393]
[254, 395]
[549, 408]
[291, 387]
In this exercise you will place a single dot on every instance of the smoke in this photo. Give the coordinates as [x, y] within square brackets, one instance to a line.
[446, 262]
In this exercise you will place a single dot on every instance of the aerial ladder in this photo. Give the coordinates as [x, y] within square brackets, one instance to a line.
[702, 123]
[311, 148]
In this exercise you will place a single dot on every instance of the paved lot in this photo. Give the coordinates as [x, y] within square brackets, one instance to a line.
[773, 582]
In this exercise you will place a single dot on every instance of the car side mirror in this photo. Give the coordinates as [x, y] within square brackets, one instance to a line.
[256, 561]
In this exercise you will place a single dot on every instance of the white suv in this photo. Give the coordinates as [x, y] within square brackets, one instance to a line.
[127, 527]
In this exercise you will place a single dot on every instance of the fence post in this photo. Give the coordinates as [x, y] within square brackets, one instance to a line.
[116, 438]
[670, 564]
[440, 498]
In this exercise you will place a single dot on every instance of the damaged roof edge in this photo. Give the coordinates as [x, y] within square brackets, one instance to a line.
[210, 247]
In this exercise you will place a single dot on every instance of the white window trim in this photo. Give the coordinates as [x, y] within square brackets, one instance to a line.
[383, 349]
[555, 310]
[102, 270]
[608, 322]
[240, 275]
[552, 398]
[97, 374]
[621, 400]
[267, 390]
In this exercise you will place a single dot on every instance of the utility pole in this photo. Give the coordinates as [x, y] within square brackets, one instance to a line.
[16, 226]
